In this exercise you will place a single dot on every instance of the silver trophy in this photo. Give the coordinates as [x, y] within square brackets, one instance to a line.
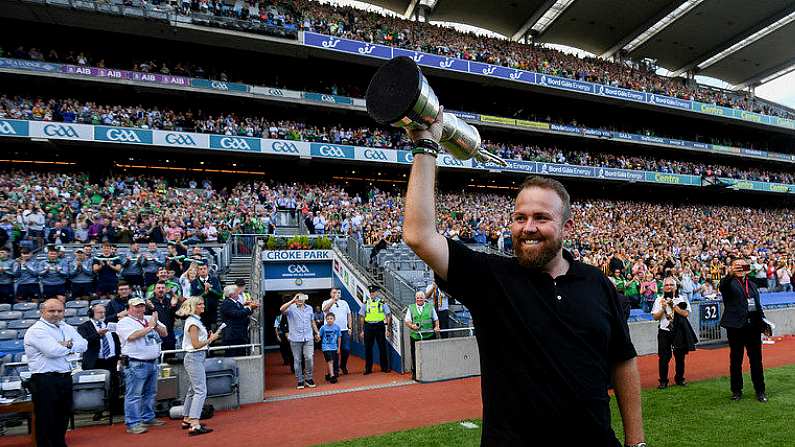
[400, 96]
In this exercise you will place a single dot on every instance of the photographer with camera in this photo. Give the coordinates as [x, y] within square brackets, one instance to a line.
[666, 310]
[743, 319]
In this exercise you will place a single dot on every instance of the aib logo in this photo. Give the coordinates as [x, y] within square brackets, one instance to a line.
[180, 139]
[56, 130]
[6, 128]
[330, 43]
[285, 148]
[447, 62]
[331, 151]
[372, 154]
[218, 85]
[297, 269]
[489, 70]
[366, 49]
[234, 143]
[123, 135]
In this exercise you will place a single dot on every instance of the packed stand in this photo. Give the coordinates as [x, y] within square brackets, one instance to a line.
[74, 111]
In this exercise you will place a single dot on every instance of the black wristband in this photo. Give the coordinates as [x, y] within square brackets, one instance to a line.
[426, 146]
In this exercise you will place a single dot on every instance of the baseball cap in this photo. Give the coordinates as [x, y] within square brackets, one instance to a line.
[79, 250]
[374, 288]
[136, 301]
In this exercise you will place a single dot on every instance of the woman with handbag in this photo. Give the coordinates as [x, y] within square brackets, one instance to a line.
[195, 342]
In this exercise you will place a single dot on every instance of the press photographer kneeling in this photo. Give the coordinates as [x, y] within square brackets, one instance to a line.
[675, 333]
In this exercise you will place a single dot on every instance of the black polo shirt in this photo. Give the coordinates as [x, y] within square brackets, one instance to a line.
[546, 347]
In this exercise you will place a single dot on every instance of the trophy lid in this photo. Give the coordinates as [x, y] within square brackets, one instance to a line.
[394, 90]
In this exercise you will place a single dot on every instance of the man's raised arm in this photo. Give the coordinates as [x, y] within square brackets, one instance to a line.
[419, 227]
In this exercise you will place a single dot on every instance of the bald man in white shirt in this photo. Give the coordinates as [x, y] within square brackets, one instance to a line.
[50, 345]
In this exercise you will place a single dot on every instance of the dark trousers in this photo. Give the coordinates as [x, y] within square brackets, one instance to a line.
[444, 321]
[52, 402]
[284, 349]
[345, 352]
[7, 293]
[747, 338]
[111, 364]
[137, 280]
[53, 290]
[414, 357]
[665, 341]
[375, 333]
[81, 289]
[149, 278]
[28, 292]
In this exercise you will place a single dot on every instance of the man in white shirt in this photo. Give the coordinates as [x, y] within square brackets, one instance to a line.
[49, 344]
[140, 345]
[319, 223]
[665, 310]
[342, 314]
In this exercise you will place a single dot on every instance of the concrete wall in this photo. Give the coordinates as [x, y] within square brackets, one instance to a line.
[449, 358]
[454, 358]
[252, 383]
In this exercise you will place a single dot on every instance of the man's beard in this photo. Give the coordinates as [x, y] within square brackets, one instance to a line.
[536, 256]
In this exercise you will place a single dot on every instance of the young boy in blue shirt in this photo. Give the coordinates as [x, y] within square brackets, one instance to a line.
[330, 341]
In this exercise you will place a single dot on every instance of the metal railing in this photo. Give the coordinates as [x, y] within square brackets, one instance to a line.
[253, 347]
[705, 319]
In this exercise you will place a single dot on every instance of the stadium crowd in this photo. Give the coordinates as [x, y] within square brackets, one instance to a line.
[74, 111]
[58, 208]
[353, 23]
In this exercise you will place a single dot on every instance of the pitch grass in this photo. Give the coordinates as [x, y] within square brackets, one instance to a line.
[700, 414]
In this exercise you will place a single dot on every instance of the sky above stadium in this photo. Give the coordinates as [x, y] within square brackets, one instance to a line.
[781, 90]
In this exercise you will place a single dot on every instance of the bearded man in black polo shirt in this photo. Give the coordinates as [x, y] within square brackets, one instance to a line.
[550, 330]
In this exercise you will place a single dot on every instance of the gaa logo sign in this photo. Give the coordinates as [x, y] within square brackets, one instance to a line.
[219, 85]
[284, 148]
[332, 151]
[328, 98]
[407, 157]
[275, 92]
[297, 269]
[235, 143]
[448, 160]
[180, 139]
[54, 130]
[6, 128]
[372, 154]
[122, 135]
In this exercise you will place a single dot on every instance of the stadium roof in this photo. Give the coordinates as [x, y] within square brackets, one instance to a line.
[739, 41]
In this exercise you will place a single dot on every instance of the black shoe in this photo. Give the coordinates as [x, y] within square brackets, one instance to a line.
[333, 379]
[367, 372]
[97, 417]
[681, 383]
[200, 430]
[328, 377]
[737, 396]
[345, 370]
[662, 385]
[386, 370]
[300, 385]
[761, 397]
[310, 383]
[185, 425]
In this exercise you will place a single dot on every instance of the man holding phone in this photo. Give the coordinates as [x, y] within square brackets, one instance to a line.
[743, 319]
[302, 328]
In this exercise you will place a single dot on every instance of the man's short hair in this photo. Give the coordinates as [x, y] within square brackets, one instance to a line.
[535, 181]
[122, 283]
[161, 282]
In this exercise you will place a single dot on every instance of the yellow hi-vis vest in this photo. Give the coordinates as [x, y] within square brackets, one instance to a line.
[374, 311]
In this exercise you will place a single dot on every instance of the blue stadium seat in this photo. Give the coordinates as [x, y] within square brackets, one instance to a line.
[76, 321]
[69, 313]
[97, 302]
[4, 307]
[222, 377]
[20, 324]
[10, 315]
[21, 334]
[11, 346]
[76, 304]
[8, 334]
[82, 312]
[3, 324]
[34, 314]
[25, 306]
